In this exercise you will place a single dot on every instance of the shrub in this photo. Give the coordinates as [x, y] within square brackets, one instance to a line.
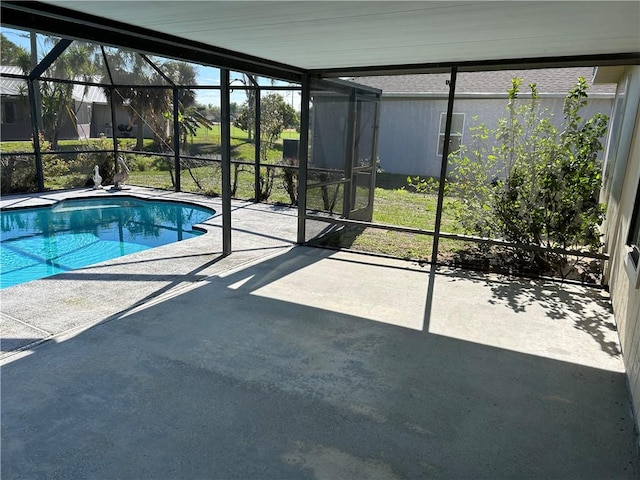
[290, 178]
[55, 166]
[142, 163]
[18, 174]
[536, 185]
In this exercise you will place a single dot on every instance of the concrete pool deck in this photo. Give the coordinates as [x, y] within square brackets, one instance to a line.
[294, 362]
[80, 298]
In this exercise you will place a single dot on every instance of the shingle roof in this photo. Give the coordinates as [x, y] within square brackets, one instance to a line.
[557, 81]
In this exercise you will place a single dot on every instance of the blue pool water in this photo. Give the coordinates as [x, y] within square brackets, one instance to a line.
[40, 242]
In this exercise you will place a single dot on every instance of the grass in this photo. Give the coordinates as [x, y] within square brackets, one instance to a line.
[74, 145]
[206, 141]
[393, 204]
[209, 178]
[153, 178]
[400, 207]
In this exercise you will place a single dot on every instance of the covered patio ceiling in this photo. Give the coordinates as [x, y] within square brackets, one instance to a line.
[343, 37]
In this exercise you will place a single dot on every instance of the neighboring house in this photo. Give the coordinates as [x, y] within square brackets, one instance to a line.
[621, 194]
[14, 103]
[413, 109]
[92, 111]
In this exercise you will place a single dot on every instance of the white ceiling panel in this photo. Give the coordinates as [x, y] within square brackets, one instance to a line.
[325, 35]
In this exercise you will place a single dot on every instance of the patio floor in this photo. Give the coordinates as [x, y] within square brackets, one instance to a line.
[294, 362]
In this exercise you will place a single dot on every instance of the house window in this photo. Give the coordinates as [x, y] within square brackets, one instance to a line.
[8, 112]
[615, 131]
[632, 259]
[457, 126]
[633, 239]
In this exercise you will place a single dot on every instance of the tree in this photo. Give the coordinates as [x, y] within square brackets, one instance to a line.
[531, 183]
[57, 105]
[130, 69]
[14, 55]
[245, 115]
[234, 110]
[276, 115]
[550, 196]
[243, 119]
[77, 62]
[147, 94]
[212, 112]
[190, 115]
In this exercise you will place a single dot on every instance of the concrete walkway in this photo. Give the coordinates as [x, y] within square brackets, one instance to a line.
[295, 362]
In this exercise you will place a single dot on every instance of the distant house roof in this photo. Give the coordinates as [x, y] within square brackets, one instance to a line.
[12, 86]
[17, 87]
[549, 81]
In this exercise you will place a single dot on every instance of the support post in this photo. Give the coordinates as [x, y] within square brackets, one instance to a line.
[34, 62]
[35, 110]
[114, 129]
[36, 134]
[225, 131]
[349, 187]
[443, 165]
[176, 136]
[258, 145]
[303, 157]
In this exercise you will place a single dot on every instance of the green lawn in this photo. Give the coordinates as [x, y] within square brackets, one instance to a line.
[210, 181]
[206, 141]
[393, 204]
[401, 207]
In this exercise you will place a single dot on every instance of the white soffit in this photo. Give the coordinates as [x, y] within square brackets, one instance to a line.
[338, 34]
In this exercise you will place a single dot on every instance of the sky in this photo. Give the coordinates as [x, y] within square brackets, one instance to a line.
[204, 75]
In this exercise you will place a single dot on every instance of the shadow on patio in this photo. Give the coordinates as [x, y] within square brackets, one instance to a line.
[319, 364]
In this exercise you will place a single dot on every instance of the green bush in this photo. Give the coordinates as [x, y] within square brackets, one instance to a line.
[290, 178]
[18, 174]
[550, 196]
[536, 185]
[55, 166]
[142, 163]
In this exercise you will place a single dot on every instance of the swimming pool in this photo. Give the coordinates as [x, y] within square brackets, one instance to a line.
[40, 242]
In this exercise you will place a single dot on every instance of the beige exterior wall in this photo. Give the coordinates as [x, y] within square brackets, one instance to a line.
[624, 292]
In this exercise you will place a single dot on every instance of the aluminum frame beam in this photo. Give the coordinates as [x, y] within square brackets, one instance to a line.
[225, 131]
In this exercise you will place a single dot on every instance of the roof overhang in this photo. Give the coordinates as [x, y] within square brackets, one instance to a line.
[287, 39]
